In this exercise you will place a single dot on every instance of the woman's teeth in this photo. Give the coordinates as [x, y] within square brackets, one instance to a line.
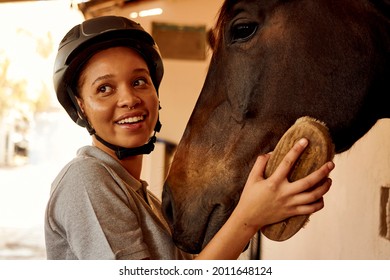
[131, 120]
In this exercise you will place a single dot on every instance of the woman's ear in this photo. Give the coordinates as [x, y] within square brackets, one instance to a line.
[80, 102]
[82, 115]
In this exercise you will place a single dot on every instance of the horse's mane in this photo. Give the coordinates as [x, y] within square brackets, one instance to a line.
[214, 35]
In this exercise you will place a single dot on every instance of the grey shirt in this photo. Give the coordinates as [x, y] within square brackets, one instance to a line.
[97, 210]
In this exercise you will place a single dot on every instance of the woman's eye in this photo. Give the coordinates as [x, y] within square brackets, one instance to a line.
[105, 89]
[243, 31]
[139, 83]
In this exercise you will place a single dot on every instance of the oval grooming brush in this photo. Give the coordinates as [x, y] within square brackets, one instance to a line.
[319, 151]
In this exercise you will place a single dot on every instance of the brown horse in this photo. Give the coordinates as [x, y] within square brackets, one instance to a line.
[273, 62]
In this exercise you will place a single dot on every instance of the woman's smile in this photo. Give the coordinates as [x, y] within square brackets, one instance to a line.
[131, 121]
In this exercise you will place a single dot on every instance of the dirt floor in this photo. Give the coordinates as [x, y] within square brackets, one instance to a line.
[22, 244]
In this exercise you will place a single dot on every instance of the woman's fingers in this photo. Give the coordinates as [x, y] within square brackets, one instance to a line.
[313, 178]
[290, 158]
[313, 198]
[258, 168]
[307, 209]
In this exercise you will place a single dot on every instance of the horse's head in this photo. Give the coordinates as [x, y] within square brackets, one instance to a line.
[273, 62]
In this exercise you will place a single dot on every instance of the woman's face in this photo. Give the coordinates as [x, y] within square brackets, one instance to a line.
[118, 97]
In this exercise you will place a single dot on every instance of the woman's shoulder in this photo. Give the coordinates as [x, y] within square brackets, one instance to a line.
[83, 165]
[83, 170]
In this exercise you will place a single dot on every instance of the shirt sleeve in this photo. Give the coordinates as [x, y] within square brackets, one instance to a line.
[94, 214]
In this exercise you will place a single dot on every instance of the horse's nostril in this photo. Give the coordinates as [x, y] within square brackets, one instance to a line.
[167, 205]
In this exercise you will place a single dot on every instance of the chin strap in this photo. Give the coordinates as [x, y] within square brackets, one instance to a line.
[122, 152]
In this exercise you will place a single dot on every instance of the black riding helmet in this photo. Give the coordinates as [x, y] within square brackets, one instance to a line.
[81, 43]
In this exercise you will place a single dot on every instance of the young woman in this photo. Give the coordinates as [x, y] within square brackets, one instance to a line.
[107, 74]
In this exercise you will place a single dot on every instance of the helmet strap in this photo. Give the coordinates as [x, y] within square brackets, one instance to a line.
[122, 152]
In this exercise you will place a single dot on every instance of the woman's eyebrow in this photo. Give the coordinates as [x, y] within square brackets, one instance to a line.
[142, 70]
[109, 76]
[101, 78]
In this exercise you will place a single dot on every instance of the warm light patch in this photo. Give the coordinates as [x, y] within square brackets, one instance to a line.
[146, 13]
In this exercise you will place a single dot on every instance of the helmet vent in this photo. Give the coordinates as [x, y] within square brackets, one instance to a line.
[72, 35]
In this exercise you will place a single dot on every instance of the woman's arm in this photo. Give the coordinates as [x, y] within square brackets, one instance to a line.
[266, 201]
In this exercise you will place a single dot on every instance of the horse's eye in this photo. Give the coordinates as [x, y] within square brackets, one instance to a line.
[242, 32]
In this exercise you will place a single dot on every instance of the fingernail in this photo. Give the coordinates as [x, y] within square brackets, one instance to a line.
[303, 141]
[330, 165]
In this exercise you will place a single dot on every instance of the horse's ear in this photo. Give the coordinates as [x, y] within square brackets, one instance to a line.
[211, 38]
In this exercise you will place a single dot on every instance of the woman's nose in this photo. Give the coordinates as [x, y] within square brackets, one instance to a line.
[127, 98]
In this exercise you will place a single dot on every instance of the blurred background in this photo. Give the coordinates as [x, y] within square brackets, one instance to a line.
[32, 140]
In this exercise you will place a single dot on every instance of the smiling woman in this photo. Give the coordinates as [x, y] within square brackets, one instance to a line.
[107, 75]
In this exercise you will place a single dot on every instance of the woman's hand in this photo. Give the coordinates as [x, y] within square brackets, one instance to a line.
[267, 201]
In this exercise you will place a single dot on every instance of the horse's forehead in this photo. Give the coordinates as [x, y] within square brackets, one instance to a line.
[309, 8]
[252, 10]
[295, 16]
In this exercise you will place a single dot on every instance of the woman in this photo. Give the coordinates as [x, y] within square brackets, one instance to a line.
[106, 76]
